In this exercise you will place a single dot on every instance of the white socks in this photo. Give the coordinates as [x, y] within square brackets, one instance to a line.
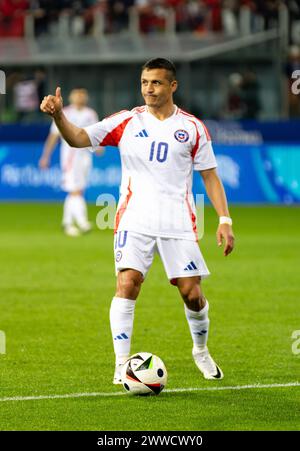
[79, 210]
[121, 323]
[198, 324]
[75, 210]
[67, 214]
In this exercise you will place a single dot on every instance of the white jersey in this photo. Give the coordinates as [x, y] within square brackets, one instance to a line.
[80, 118]
[158, 158]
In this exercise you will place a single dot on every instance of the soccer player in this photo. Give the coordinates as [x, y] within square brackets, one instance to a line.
[75, 164]
[160, 145]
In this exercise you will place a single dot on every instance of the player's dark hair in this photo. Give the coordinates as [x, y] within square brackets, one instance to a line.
[161, 63]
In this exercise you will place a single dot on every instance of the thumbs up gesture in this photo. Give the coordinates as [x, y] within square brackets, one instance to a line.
[52, 105]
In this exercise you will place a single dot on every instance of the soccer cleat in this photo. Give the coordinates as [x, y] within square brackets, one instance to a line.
[85, 227]
[206, 364]
[71, 230]
[121, 359]
[117, 376]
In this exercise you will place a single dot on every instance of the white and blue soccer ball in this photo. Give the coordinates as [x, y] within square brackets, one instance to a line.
[144, 374]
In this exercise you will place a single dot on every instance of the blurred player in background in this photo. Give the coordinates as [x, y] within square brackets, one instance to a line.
[75, 165]
[160, 146]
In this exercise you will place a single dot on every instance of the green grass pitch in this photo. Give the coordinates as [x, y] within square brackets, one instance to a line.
[55, 298]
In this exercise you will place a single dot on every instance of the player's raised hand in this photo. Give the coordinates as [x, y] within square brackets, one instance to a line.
[52, 105]
[225, 233]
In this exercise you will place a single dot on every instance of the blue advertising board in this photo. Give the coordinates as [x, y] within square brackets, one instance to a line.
[252, 168]
[21, 178]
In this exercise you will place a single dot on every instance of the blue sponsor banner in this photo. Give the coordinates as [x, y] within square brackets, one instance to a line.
[21, 178]
[267, 173]
[252, 169]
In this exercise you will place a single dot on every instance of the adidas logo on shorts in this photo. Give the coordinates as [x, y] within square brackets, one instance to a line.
[190, 267]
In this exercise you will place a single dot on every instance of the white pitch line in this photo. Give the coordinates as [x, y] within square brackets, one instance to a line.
[172, 390]
[66, 396]
[234, 387]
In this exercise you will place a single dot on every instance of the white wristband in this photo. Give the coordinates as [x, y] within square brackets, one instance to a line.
[225, 220]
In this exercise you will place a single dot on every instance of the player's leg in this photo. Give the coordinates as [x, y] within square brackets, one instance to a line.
[75, 214]
[75, 177]
[196, 308]
[122, 311]
[122, 315]
[80, 211]
[81, 166]
[196, 312]
[68, 216]
[185, 267]
[67, 182]
[67, 219]
[133, 257]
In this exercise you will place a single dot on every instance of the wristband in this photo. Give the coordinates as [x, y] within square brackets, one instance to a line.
[225, 220]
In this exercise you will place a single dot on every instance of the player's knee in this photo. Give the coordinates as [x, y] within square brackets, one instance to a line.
[194, 298]
[127, 289]
[128, 285]
[195, 303]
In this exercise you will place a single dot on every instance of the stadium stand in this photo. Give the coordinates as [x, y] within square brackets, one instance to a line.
[233, 56]
[80, 16]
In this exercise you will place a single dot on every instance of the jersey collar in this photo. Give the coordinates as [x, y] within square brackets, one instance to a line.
[176, 109]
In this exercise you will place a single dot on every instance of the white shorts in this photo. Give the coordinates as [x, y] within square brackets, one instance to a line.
[181, 258]
[75, 174]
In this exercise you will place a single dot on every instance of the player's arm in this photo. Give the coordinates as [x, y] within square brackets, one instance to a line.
[216, 193]
[75, 136]
[49, 147]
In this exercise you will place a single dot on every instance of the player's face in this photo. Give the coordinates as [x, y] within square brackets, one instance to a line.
[157, 88]
[79, 97]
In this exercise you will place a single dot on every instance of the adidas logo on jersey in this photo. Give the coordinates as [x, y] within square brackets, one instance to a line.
[142, 134]
[190, 267]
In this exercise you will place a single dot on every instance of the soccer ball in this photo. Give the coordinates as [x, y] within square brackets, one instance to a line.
[144, 374]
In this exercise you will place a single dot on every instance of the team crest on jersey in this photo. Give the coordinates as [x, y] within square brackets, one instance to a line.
[181, 135]
[118, 256]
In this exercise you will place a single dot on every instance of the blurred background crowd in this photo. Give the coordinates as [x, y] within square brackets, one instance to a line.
[196, 15]
[236, 88]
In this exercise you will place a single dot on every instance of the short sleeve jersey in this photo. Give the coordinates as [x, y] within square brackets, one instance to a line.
[83, 117]
[158, 158]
